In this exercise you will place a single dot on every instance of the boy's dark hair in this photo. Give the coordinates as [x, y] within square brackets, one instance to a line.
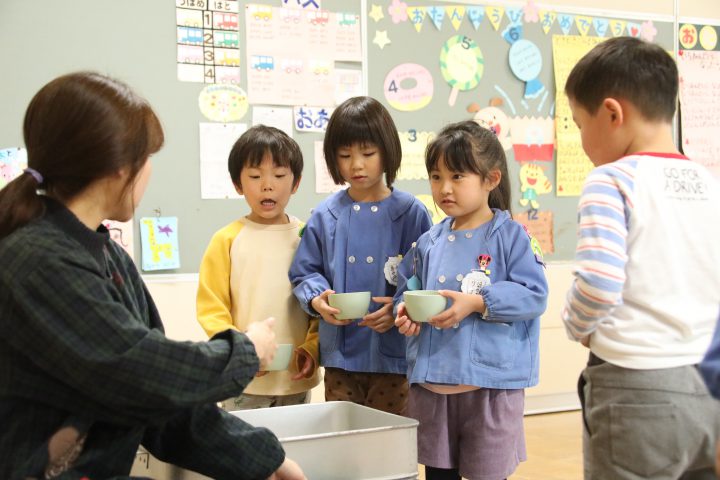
[79, 128]
[468, 147]
[252, 146]
[362, 120]
[628, 68]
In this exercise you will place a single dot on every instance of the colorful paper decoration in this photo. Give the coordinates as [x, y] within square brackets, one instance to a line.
[526, 63]
[515, 15]
[533, 182]
[601, 26]
[617, 27]
[437, 15]
[475, 15]
[633, 29]
[223, 103]
[12, 163]
[496, 120]
[159, 238]
[495, 15]
[547, 18]
[398, 11]
[376, 12]
[311, 119]
[461, 65]
[539, 225]
[416, 16]
[413, 144]
[533, 138]
[565, 21]
[648, 31]
[530, 11]
[456, 14]
[583, 24]
[708, 37]
[688, 36]
[406, 98]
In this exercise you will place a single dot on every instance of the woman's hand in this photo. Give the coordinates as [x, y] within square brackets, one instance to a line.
[405, 325]
[321, 305]
[306, 364]
[262, 336]
[289, 470]
[463, 304]
[381, 320]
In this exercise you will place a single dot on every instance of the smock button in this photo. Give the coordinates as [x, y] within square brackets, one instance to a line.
[441, 279]
[451, 237]
[468, 235]
[459, 277]
[351, 259]
[457, 325]
[369, 259]
[374, 209]
[356, 208]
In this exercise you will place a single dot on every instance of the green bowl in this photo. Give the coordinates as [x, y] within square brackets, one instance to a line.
[422, 305]
[282, 357]
[351, 305]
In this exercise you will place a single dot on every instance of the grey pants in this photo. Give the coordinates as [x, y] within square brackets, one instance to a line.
[248, 402]
[641, 424]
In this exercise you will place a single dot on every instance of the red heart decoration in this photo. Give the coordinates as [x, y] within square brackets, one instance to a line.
[634, 31]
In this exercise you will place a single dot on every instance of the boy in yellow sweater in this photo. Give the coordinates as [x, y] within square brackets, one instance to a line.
[243, 274]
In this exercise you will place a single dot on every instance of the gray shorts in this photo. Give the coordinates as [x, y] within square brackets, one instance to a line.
[478, 432]
[659, 424]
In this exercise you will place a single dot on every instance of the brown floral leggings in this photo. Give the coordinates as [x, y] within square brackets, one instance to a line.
[383, 391]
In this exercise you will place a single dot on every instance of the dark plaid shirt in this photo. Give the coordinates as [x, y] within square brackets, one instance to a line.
[81, 344]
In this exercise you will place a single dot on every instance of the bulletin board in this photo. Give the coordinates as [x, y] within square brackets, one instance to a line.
[137, 41]
[497, 63]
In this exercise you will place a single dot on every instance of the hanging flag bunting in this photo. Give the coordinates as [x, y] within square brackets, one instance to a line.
[495, 14]
[583, 24]
[565, 21]
[416, 16]
[601, 26]
[547, 18]
[437, 15]
[456, 14]
[617, 27]
[633, 29]
[475, 15]
[515, 15]
[512, 32]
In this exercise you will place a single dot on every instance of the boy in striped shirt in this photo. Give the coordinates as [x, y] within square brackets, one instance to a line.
[646, 292]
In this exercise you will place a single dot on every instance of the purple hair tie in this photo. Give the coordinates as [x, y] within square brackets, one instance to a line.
[35, 174]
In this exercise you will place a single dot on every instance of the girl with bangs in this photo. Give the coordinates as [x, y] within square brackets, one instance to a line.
[469, 365]
[354, 242]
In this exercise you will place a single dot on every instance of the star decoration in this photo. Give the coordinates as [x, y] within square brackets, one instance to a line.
[381, 38]
[376, 13]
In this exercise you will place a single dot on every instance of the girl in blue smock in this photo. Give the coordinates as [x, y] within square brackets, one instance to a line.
[468, 367]
[353, 242]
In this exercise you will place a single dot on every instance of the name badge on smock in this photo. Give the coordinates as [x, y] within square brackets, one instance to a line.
[474, 281]
[391, 269]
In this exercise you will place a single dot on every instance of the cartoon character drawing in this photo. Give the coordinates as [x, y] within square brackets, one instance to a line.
[493, 119]
[533, 182]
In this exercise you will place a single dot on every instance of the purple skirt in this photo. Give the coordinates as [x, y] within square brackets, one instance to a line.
[479, 432]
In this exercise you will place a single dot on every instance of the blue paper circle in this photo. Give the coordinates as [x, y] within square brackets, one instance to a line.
[525, 60]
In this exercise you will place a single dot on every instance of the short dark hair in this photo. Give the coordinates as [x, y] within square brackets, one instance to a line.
[252, 146]
[468, 147]
[628, 68]
[362, 120]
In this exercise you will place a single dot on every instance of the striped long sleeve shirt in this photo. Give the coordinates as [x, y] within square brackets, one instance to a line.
[647, 275]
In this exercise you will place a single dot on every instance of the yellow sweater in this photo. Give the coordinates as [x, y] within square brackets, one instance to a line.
[244, 279]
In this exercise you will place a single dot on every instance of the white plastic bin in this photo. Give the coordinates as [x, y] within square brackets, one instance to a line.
[338, 441]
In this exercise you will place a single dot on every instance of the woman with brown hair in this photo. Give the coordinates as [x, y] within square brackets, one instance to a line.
[86, 372]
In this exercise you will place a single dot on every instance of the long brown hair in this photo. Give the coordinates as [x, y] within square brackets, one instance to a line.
[78, 128]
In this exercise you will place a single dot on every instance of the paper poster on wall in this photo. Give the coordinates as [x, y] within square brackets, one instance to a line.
[533, 183]
[413, 144]
[461, 65]
[208, 41]
[278, 117]
[159, 240]
[216, 141]
[494, 119]
[533, 138]
[539, 225]
[572, 163]
[311, 119]
[526, 64]
[122, 234]
[408, 87]
[348, 84]
[12, 163]
[323, 181]
[223, 103]
[302, 4]
[303, 74]
[699, 106]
